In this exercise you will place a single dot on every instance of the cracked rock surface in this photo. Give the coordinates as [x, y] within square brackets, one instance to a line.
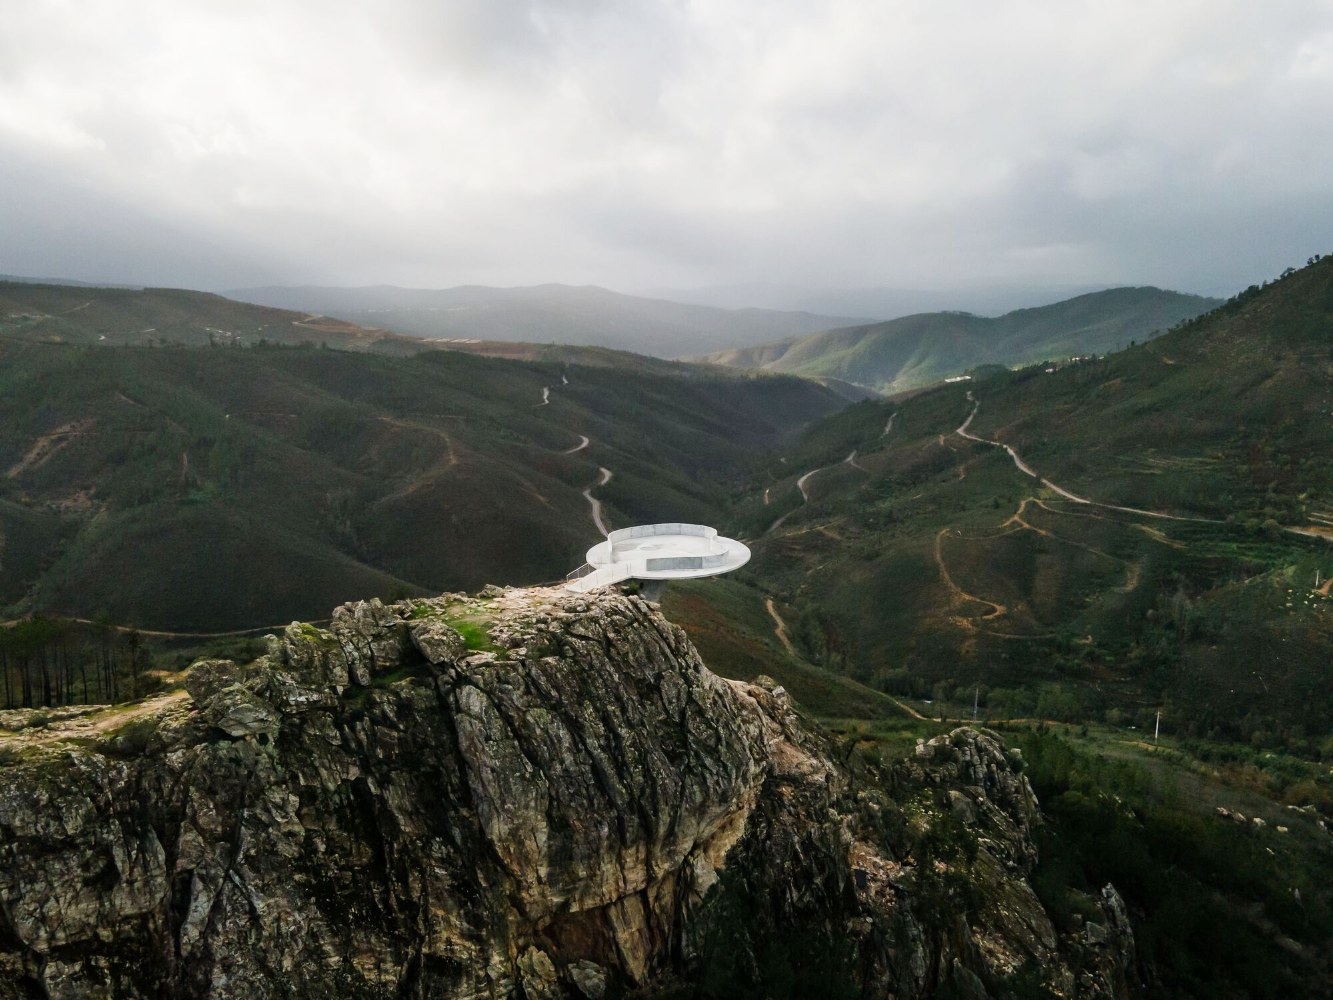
[525, 794]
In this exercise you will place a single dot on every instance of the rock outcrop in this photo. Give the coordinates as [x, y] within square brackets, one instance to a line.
[525, 794]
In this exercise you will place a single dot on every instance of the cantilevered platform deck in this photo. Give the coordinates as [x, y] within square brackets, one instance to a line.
[670, 551]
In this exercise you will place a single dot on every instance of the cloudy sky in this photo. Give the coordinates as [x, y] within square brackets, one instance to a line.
[666, 143]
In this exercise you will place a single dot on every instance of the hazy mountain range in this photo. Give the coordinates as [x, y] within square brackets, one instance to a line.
[546, 314]
[875, 302]
[914, 351]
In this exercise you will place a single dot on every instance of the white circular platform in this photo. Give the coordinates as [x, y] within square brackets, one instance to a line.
[671, 551]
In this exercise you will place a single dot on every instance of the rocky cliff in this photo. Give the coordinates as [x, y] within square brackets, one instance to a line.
[523, 794]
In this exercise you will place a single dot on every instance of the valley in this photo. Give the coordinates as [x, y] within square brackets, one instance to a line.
[1069, 555]
[380, 385]
[207, 489]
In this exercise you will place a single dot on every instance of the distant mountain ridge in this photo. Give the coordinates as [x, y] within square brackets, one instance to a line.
[915, 351]
[551, 313]
[72, 313]
[878, 302]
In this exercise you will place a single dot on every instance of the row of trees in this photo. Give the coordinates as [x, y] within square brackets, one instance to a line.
[46, 662]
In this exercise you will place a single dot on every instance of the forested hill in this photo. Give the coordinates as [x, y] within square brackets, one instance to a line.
[1094, 548]
[170, 317]
[915, 351]
[209, 489]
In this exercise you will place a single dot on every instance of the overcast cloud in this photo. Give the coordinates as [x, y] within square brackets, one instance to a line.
[650, 143]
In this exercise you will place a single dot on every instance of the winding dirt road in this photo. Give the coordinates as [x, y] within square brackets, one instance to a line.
[93, 721]
[780, 628]
[957, 594]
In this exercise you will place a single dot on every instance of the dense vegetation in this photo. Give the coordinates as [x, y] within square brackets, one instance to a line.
[1210, 895]
[937, 574]
[222, 488]
[46, 662]
[934, 568]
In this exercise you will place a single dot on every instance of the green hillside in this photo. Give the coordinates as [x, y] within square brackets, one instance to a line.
[920, 350]
[159, 317]
[218, 488]
[932, 565]
[1170, 555]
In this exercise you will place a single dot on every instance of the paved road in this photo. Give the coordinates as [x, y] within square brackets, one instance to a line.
[800, 483]
[962, 431]
[805, 496]
[603, 477]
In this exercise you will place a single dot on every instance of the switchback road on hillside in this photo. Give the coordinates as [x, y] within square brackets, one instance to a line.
[800, 483]
[583, 443]
[603, 477]
[962, 431]
[780, 630]
[805, 499]
[805, 494]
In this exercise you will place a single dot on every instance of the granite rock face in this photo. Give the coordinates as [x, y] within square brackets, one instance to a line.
[528, 794]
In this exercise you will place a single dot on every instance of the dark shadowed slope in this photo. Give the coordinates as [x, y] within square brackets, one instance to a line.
[210, 489]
